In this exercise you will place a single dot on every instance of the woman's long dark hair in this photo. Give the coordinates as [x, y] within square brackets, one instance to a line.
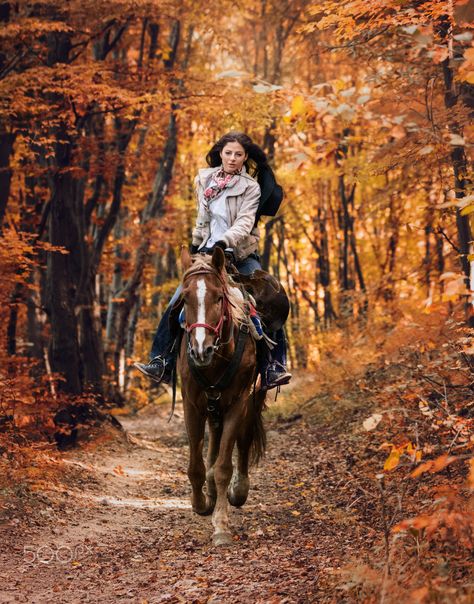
[256, 160]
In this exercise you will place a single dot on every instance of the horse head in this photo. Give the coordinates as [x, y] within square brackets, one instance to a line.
[206, 303]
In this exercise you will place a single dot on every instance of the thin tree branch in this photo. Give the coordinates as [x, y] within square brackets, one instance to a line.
[453, 245]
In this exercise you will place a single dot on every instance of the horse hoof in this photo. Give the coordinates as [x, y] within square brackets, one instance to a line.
[222, 539]
[236, 500]
[206, 509]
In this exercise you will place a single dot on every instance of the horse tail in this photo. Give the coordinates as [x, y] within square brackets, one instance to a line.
[257, 428]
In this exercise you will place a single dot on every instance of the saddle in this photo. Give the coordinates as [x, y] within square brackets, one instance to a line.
[270, 297]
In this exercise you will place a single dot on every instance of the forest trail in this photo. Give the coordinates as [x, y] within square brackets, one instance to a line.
[117, 526]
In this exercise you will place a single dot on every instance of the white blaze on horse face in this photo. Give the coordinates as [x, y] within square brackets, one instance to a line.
[201, 315]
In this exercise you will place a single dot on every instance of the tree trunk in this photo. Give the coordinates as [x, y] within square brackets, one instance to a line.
[458, 155]
[7, 139]
[129, 294]
[268, 243]
[63, 270]
[325, 267]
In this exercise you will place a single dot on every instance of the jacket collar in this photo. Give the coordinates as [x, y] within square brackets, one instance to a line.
[240, 186]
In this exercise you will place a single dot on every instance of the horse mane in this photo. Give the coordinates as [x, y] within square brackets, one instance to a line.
[237, 303]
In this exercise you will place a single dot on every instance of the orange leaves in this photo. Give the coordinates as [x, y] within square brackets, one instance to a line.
[470, 477]
[433, 466]
[397, 451]
[27, 29]
[466, 72]
[450, 524]
[419, 595]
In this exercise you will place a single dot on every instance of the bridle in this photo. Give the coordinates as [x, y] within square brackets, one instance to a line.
[213, 390]
[215, 329]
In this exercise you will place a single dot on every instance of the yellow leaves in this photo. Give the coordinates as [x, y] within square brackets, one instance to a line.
[392, 460]
[298, 106]
[338, 85]
[469, 77]
[467, 210]
[397, 451]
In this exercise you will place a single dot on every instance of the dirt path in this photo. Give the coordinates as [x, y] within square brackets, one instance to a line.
[117, 526]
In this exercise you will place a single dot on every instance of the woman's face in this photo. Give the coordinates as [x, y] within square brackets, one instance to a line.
[233, 156]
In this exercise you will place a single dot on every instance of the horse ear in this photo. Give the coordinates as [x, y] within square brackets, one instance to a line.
[185, 258]
[218, 259]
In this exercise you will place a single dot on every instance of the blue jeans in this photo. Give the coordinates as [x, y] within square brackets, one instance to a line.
[163, 340]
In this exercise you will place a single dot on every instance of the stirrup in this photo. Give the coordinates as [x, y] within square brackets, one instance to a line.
[281, 376]
[155, 369]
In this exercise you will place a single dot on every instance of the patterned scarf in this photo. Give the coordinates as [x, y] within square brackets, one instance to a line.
[220, 181]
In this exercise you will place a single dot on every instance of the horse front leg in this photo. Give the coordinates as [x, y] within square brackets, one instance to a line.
[239, 488]
[215, 432]
[251, 439]
[223, 474]
[195, 425]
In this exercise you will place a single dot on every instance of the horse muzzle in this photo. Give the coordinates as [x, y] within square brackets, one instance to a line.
[203, 357]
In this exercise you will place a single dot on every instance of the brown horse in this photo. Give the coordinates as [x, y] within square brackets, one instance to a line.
[218, 366]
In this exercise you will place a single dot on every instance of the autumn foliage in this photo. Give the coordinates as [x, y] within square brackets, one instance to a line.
[107, 110]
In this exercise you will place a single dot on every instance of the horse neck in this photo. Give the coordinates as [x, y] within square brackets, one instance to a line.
[228, 335]
[228, 338]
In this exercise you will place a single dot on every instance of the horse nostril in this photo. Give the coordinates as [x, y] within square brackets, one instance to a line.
[209, 350]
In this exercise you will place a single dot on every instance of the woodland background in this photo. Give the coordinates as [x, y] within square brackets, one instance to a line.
[107, 110]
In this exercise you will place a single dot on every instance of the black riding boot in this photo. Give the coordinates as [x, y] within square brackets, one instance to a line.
[162, 359]
[274, 372]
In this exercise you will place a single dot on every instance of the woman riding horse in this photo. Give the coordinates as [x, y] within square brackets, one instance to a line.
[229, 199]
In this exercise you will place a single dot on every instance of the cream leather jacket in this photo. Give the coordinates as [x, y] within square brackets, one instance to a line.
[242, 204]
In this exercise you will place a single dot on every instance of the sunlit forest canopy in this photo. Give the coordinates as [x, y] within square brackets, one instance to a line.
[108, 109]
